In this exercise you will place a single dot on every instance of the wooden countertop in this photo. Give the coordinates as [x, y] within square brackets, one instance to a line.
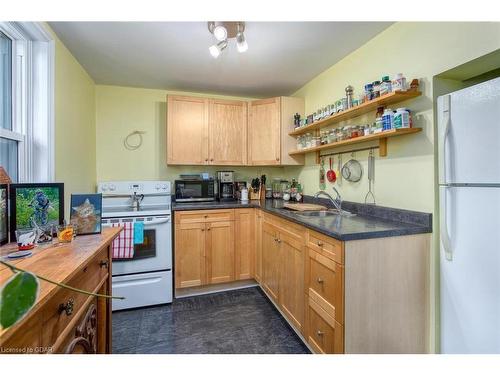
[58, 262]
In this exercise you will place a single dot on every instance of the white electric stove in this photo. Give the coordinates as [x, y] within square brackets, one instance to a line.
[145, 279]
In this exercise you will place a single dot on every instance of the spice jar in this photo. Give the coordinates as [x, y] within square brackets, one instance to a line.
[368, 91]
[376, 89]
[308, 140]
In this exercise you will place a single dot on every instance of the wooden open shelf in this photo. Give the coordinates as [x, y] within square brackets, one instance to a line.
[381, 137]
[386, 100]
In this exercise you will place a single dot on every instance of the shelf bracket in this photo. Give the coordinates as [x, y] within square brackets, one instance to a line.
[318, 157]
[382, 147]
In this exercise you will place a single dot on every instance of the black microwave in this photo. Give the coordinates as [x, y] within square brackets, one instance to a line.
[194, 190]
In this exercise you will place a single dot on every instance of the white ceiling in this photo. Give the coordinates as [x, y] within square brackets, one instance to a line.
[281, 58]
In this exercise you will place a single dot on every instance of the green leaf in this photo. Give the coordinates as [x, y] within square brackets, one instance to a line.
[17, 297]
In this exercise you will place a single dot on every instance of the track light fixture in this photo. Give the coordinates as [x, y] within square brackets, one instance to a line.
[222, 31]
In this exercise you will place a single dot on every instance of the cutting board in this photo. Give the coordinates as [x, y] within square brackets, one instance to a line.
[304, 207]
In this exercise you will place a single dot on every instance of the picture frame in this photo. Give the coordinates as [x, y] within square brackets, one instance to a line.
[86, 213]
[4, 214]
[35, 203]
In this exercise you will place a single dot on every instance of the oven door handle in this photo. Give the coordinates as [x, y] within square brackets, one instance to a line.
[162, 220]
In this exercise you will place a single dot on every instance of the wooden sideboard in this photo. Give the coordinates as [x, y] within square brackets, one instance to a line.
[64, 321]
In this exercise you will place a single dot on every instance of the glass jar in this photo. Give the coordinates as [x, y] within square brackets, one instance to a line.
[316, 141]
[385, 86]
[332, 136]
[308, 140]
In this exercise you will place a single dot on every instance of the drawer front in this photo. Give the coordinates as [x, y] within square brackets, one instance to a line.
[327, 246]
[62, 308]
[325, 284]
[203, 216]
[296, 231]
[325, 335]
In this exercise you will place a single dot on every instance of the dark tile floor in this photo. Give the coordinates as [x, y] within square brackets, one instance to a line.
[240, 321]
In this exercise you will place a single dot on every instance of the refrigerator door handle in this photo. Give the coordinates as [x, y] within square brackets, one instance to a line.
[444, 134]
[443, 224]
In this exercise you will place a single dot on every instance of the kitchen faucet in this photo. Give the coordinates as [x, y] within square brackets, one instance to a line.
[337, 202]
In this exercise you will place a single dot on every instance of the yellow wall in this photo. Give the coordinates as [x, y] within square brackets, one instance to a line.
[75, 149]
[121, 110]
[405, 178]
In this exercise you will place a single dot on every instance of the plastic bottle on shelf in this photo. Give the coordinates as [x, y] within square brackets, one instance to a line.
[399, 82]
[388, 119]
[385, 86]
[401, 119]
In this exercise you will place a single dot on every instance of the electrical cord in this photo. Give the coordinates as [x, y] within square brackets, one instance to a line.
[132, 147]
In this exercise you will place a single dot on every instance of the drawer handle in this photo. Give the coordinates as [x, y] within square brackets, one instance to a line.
[67, 307]
[320, 244]
[104, 263]
[320, 333]
[320, 280]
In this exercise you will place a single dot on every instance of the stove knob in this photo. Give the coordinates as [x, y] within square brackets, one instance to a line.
[157, 186]
[104, 187]
[112, 187]
[164, 186]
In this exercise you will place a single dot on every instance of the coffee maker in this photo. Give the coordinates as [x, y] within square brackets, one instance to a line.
[225, 186]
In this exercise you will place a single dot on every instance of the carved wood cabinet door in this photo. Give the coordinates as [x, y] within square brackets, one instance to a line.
[85, 334]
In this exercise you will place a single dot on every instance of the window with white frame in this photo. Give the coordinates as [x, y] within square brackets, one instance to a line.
[26, 102]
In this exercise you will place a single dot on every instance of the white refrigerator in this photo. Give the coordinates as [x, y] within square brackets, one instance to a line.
[469, 218]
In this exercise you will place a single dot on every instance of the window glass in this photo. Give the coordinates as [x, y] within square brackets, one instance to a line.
[8, 157]
[5, 82]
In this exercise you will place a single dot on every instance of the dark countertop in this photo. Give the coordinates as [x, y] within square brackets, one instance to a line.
[370, 221]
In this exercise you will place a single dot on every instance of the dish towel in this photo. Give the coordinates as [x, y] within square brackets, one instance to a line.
[138, 233]
[123, 245]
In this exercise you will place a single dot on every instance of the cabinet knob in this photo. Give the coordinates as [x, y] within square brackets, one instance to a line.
[278, 240]
[203, 230]
[320, 333]
[104, 263]
[67, 307]
[277, 159]
[208, 229]
[205, 216]
[211, 159]
[206, 159]
[320, 280]
[320, 244]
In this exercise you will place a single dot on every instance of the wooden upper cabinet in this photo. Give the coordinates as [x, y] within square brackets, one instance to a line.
[264, 132]
[187, 130]
[269, 122]
[227, 132]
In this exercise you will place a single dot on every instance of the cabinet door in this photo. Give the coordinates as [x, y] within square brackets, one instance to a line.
[227, 132]
[244, 243]
[271, 260]
[258, 246]
[220, 252]
[189, 255]
[291, 296]
[187, 130]
[264, 132]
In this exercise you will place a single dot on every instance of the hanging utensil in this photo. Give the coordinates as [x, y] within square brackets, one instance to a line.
[332, 177]
[371, 177]
[352, 171]
[322, 184]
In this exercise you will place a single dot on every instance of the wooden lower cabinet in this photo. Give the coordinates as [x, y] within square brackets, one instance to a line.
[271, 260]
[324, 334]
[244, 244]
[258, 246]
[190, 255]
[291, 295]
[220, 252]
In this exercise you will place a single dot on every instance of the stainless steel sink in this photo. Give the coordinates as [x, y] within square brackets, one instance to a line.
[326, 213]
